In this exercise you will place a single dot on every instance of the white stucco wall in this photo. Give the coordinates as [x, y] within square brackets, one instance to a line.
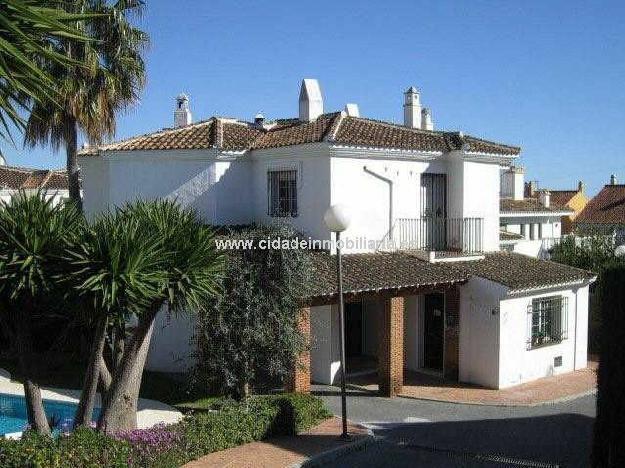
[171, 347]
[479, 332]
[325, 360]
[519, 364]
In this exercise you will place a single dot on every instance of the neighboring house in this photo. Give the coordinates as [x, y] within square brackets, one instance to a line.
[425, 282]
[605, 213]
[52, 183]
[529, 225]
[574, 200]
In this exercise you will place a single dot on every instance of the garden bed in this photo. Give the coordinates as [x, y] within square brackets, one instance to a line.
[174, 445]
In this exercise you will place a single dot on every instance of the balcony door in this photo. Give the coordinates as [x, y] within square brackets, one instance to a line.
[434, 210]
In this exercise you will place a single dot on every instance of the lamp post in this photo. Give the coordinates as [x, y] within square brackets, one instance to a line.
[337, 220]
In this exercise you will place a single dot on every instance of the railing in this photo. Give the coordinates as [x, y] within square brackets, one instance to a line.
[436, 234]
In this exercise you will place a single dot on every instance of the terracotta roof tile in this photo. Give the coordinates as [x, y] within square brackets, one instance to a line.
[230, 134]
[528, 205]
[562, 197]
[15, 178]
[374, 272]
[607, 207]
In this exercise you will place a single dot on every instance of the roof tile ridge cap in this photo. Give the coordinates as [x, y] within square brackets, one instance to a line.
[162, 131]
[219, 133]
[46, 179]
[399, 126]
[28, 170]
[335, 126]
[484, 140]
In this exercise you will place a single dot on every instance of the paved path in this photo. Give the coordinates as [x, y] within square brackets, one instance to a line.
[434, 434]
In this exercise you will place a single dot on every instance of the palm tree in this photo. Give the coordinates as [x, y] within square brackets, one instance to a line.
[28, 31]
[34, 239]
[91, 95]
[144, 257]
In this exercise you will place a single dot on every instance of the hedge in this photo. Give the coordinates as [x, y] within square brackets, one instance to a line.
[169, 446]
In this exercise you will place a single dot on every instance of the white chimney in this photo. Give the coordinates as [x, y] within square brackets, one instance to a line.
[545, 198]
[412, 108]
[581, 187]
[426, 119]
[182, 114]
[613, 179]
[512, 183]
[310, 100]
[352, 110]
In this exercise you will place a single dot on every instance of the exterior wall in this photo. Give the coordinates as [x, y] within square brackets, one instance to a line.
[57, 196]
[299, 380]
[413, 332]
[372, 313]
[479, 332]
[215, 188]
[542, 227]
[171, 347]
[313, 181]
[577, 204]
[519, 364]
[374, 204]
[481, 199]
[325, 361]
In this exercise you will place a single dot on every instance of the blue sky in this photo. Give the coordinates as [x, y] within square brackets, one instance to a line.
[546, 75]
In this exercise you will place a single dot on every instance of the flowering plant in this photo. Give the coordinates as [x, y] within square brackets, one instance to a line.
[148, 444]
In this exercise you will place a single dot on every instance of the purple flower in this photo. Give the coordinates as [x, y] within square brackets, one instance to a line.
[147, 444]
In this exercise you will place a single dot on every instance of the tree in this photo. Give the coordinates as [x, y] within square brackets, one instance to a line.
[28, 32]
[109, 78]
[34, 239]
[250, 334]
[145, 257]
[609, 441]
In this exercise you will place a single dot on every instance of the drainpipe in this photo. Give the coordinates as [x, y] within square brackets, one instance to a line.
[575, 331]
[390, 194]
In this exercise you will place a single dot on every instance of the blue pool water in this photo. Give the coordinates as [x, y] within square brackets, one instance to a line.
[13, 416]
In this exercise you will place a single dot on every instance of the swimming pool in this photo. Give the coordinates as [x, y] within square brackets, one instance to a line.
[13, 416]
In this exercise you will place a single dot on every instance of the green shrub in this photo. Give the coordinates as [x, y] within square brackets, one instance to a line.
[83, 448]
[169, 446]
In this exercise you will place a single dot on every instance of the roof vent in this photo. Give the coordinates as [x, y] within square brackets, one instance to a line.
[545, 198]
[259, 119]
[581, 187]
[310, 100]
[352, 110]
[613, 179]
[182, 113]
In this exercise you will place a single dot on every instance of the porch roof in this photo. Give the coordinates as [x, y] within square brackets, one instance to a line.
[404, 272]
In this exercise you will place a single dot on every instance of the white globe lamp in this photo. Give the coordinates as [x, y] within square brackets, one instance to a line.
[620, 251]
[337, 218]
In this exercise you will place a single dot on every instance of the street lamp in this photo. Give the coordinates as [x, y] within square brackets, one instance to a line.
[337, 220]
[620, 251]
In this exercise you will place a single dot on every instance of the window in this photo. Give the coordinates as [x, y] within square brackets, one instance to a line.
[282, 193]
[547, 321]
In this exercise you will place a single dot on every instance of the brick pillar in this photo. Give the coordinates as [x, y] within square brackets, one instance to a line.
[299, 381]
[391, 348]
[452, 333]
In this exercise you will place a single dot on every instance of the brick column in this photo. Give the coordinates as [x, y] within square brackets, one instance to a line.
[452, 333]
[391, 348]
[299, 380]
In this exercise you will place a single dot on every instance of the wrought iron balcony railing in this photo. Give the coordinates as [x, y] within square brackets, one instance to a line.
[436, 235]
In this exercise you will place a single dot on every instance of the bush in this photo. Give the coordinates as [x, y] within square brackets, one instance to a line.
[169, 446]
[83, 448]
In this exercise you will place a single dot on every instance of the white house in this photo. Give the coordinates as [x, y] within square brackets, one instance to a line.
[51, 183]
[426, 284]
[530, 221]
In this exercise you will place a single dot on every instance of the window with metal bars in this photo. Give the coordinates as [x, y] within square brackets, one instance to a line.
[282, 193]
[547, 321]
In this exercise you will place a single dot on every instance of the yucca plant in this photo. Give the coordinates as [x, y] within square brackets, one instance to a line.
[117, 272]
[35, 236]
[161, 255]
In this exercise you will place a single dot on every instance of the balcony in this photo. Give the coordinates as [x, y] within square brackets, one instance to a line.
[437, 239]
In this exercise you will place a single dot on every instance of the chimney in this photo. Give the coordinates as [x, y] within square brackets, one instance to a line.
[545, 198]
[352, 110]
[426, 119]
[310, 100]
[581, 187]
[512, 183]
[412, 108]
[259, 119]
[530, 189]
[613, 179]
[182, 114]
